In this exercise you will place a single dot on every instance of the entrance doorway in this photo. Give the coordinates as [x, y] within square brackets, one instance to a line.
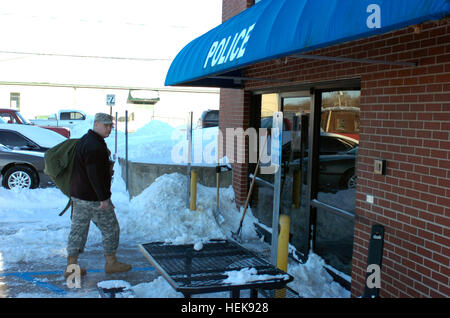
[318, 183]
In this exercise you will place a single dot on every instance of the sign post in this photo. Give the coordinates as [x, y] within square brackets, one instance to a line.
[110, 101]
[189, 157]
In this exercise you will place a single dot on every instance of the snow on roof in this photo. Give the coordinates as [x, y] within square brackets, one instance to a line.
[43, 137]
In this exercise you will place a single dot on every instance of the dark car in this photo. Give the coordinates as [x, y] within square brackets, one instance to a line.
[209, 118]
[337, 157]
[28, 137]
[22, 169]
[338, 171]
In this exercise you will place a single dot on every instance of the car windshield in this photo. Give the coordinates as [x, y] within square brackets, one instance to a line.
[23, 119]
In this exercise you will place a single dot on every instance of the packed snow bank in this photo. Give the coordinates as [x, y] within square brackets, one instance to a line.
[313, 281]
[158, 142]
[159, 213]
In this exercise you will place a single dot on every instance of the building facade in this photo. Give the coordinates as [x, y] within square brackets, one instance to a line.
[403, 122]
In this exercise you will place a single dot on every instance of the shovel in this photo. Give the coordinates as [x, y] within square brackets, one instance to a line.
[217, 217]
[236, 235]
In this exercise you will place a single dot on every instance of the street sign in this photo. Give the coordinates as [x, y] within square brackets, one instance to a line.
[110, 99]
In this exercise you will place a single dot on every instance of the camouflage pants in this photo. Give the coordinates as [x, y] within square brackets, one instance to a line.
[105, 220]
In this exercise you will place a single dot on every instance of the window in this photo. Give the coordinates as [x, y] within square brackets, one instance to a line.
[72, 116]
[14, 100]
[212, 116]
[13, 139]
[8, 118]
[332, 145]
[65, 116]
[77, 116]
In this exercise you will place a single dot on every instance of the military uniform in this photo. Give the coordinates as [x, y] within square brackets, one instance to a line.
[90, 188]
[105, 220]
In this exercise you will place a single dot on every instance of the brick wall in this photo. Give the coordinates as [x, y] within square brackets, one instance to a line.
[234, 113]
[230, 8]
[405, 119]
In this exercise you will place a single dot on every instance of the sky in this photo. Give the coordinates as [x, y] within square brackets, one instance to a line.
[137, 29]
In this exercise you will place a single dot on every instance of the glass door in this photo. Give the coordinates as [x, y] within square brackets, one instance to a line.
[293, 199]
[294, 167]
[318, 176]
[333, 176]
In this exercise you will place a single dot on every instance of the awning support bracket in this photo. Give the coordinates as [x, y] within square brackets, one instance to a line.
[238, 79]
[348, 59]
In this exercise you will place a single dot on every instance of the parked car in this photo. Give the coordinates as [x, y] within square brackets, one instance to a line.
[64, 118]
[337, 161]
[28, 137]
[13, 116]
[209, 118]
[338, 171]
[22, 169]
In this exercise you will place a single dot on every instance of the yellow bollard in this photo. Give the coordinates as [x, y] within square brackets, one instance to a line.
[296, 189]
[193, 201]
[283, 249]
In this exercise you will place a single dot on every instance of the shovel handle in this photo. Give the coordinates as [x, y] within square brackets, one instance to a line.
[252, 184]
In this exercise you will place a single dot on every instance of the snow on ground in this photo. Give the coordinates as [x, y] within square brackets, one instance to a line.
[29, 218]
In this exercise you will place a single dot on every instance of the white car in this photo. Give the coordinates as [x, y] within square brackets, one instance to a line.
[28, 137]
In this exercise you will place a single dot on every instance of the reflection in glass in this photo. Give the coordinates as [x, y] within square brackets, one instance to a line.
[337, 177]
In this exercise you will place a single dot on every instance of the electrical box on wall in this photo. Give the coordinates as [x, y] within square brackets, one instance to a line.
[380, 166]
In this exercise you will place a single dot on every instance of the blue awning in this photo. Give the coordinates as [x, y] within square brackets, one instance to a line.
[272, 29]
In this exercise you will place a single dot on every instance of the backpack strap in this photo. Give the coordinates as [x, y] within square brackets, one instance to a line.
[68, 205]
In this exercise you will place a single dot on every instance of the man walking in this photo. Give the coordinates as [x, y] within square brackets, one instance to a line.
[90, 189]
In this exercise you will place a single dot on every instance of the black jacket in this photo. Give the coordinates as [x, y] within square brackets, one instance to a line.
[91, 176]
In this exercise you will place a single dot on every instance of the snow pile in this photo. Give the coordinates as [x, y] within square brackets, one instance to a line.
[158, 142]
[159, 213]
[246, 275]
[158, 288]
[313, 281]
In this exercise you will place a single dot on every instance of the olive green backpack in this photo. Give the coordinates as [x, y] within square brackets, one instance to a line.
[59, 165]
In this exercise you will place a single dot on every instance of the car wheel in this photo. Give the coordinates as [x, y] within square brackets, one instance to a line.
[349, 179]
[20, 177]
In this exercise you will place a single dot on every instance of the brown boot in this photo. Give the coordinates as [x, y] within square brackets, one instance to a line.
[73, 260]
[112, 265]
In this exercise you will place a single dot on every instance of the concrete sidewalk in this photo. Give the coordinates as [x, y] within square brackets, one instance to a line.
[45, 279]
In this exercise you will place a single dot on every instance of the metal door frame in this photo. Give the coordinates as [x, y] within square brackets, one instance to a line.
[313, 167]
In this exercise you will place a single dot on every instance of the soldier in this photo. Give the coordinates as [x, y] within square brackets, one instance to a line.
[90, 189]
